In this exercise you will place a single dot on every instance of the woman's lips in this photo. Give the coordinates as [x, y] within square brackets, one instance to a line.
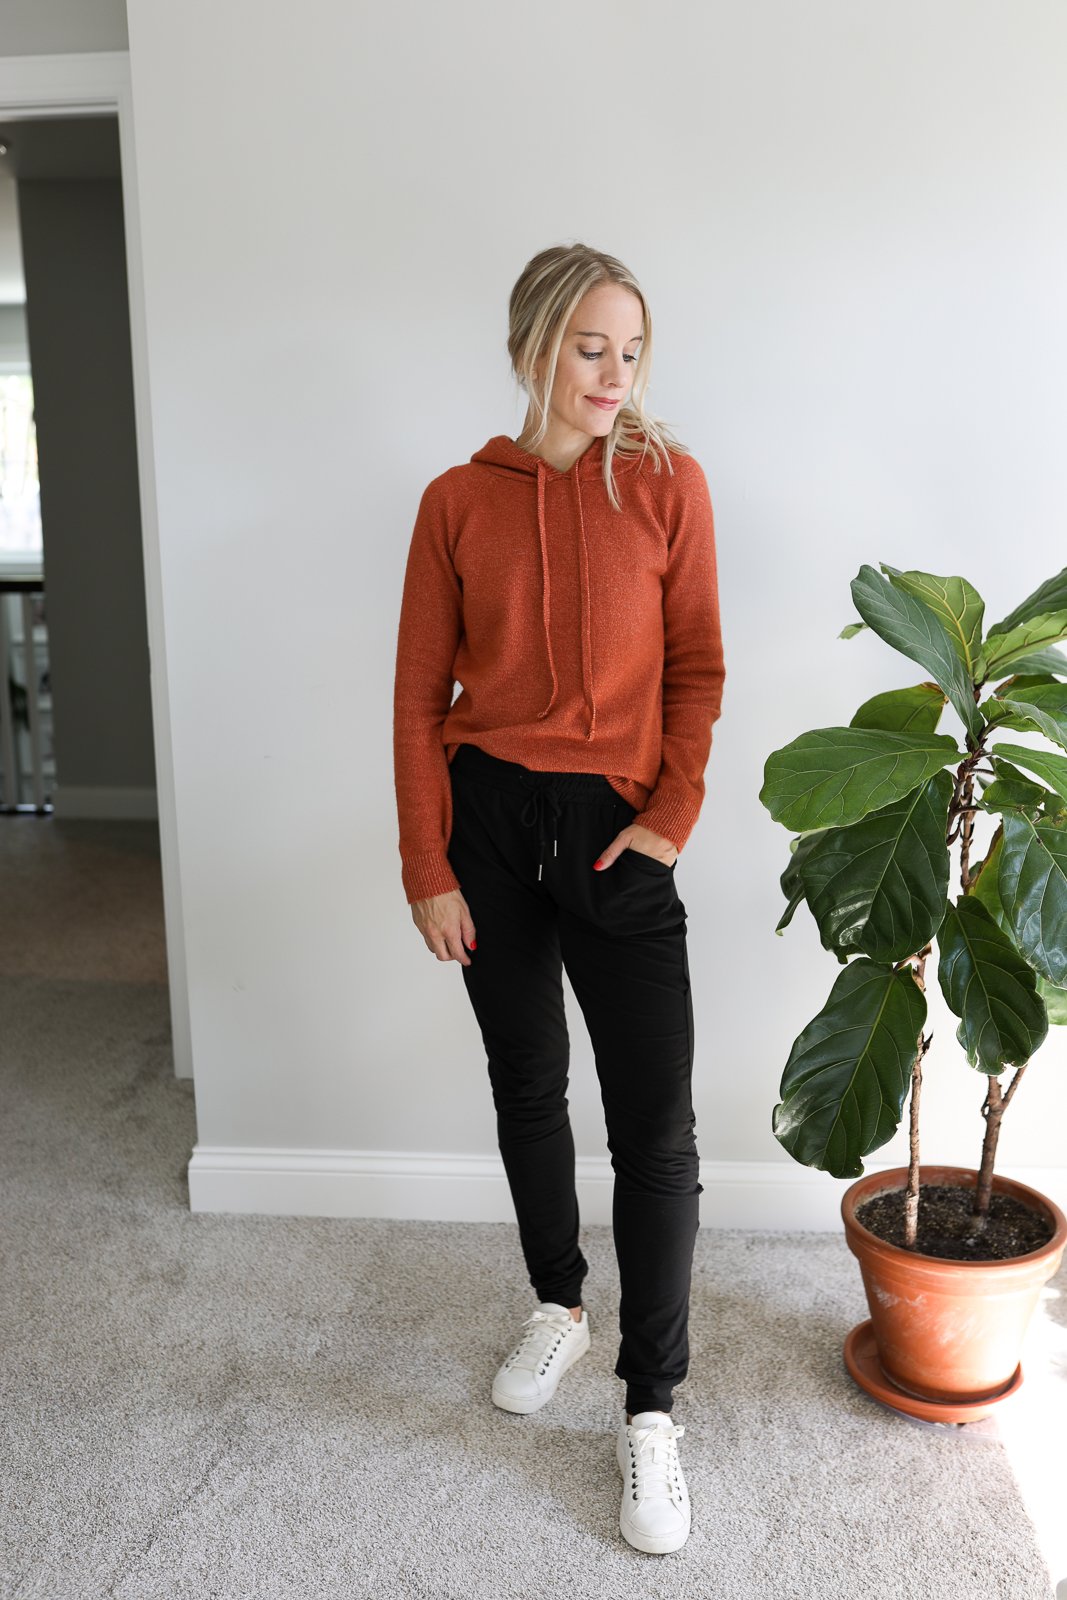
[605, 405]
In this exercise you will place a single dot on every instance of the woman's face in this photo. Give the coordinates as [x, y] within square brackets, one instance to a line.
[596, 361]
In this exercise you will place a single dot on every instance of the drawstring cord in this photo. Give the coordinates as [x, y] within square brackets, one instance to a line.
[587, 634]
[546, 586]
[588, 682]
[534, 812]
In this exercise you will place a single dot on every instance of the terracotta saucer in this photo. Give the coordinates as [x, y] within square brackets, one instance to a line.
[861, 1359]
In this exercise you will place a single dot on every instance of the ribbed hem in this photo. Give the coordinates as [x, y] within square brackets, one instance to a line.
[673, 819]
[427, 874]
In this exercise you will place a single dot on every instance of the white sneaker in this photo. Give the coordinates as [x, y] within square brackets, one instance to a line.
[553, 1341]
[655, 1513]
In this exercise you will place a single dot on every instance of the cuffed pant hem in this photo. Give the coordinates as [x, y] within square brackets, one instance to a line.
[564, 1297]
[635, 1402]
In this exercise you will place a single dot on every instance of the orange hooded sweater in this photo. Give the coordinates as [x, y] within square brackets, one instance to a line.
[584, 639]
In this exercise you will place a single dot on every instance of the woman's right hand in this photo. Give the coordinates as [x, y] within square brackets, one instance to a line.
[444, 920]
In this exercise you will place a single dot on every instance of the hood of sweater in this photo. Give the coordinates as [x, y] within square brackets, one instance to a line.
[503, 456]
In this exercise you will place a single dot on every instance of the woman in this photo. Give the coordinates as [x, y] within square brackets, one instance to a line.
[567, 581]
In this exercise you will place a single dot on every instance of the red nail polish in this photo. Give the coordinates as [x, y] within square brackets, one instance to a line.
[598, 862]
[473, 945]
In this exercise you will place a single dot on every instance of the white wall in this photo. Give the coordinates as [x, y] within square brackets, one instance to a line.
[849, 222]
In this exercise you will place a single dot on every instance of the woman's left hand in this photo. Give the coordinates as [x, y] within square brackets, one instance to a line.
[641, 839]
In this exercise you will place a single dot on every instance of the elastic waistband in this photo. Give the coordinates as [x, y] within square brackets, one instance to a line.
[476, 763]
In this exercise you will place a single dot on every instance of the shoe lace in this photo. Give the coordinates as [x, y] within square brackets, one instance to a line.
[654, 1467]
[540, 1341]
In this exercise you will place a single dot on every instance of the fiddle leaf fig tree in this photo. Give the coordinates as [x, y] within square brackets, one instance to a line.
[875, 809]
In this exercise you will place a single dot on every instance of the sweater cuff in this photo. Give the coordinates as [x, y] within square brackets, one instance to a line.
[427, 874]
[674, 819]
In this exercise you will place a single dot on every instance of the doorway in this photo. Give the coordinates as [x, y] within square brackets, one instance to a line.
[77, 111]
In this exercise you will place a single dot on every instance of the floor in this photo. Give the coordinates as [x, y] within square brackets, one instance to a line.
[201, 1405]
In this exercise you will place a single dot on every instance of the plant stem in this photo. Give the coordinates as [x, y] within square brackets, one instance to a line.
[960, 814]
[911, 1194]
[993, 1110]
[967, 832]
[995, 1104]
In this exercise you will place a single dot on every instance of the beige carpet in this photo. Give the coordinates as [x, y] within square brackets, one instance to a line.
[214, 1406]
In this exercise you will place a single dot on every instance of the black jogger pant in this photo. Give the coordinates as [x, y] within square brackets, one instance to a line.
[523, 845]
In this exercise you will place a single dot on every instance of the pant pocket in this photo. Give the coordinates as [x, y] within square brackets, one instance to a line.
[646, 863]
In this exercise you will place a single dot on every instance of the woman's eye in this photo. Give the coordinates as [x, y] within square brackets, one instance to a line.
[591, 355]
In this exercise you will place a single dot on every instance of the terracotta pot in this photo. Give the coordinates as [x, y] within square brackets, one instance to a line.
[949, 1331]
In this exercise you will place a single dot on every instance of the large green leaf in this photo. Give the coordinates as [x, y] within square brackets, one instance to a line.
[1012, 648]
[1051, 596]
[844, 1085]
[1024, 680]
[990, 987]
[1048, 766]
[984, 888]
[791, 882]
[914, 710]
[910, 626]
[1055, 1001]
[984, 882]
[1010, 790]
[879, 885]
[957, 602]
[1032, 884]
[1043, 707]
[1044, 661]
[833, 776]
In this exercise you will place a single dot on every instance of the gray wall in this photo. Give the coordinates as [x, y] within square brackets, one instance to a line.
[77, 316]
[55, 27]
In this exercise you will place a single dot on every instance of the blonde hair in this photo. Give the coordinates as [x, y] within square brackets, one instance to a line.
[542, 302]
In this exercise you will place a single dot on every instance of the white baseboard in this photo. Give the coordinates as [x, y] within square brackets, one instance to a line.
[470, 1188]
[100, 804]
